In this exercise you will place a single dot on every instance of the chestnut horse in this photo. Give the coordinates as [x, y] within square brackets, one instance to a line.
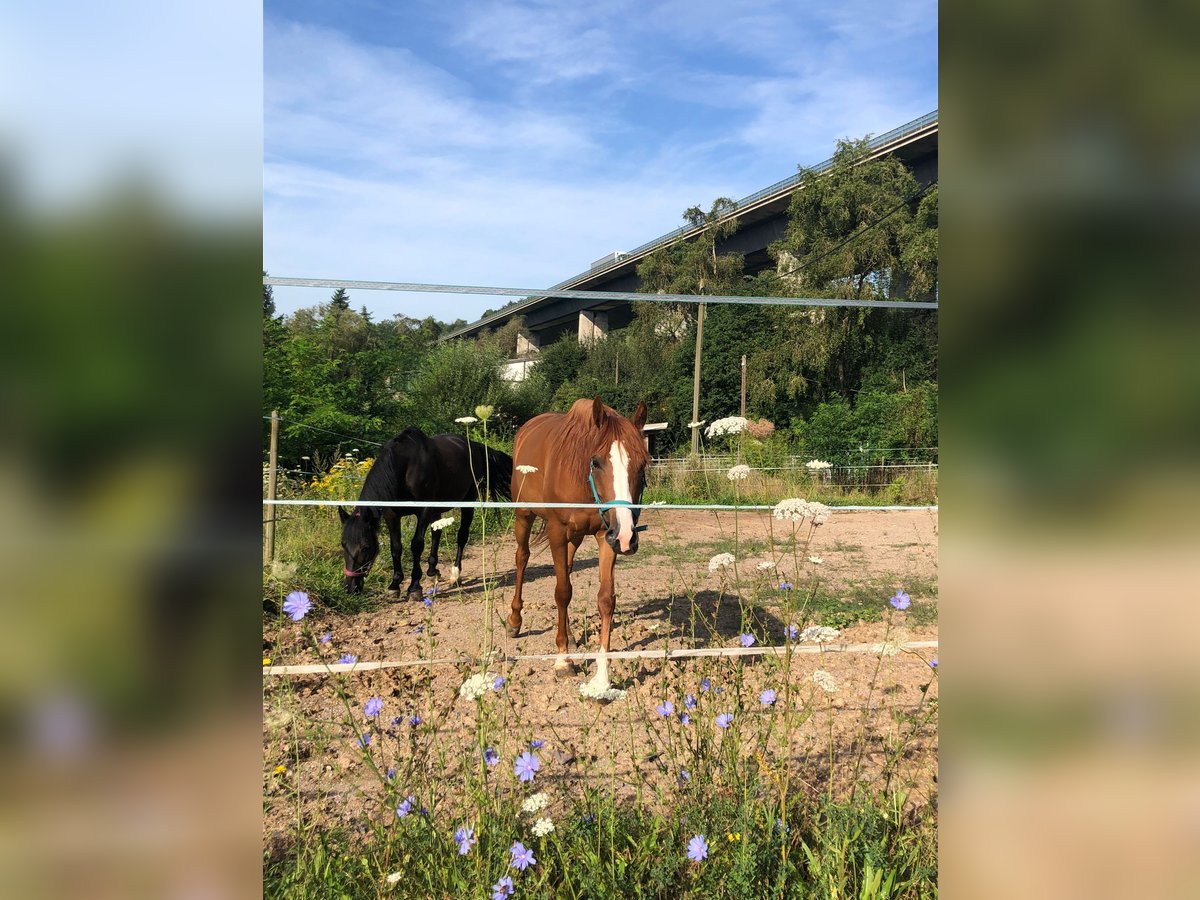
[591, 455]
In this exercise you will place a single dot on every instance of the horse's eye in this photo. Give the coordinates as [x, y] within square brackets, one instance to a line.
[595, 463]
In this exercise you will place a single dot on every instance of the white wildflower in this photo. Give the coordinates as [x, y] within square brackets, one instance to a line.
[819, 634]
[657, 503]
[887, 648]
[815, 560]
[543, 827]
[466, 420]
[394, 878]
[696, 424]
[476, 686]
[728, 425]
[595, 692]
[765, 566]
[720, 561]
[527, 470]
[819, 512]
[797, 509]
[738, 473]
[536, 803]
[445, 522]
[815, 464]
[824, 681]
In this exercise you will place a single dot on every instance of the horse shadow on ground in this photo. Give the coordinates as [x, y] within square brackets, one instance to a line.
[717, 619]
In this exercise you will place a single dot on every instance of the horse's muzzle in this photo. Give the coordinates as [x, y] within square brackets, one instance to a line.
[611, 535]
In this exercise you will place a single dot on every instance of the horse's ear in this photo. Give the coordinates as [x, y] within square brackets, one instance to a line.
[597, 411]
[343, 515]
[639, 416]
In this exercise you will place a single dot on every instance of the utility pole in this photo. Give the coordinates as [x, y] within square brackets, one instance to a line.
[696, 382]
[743, 413]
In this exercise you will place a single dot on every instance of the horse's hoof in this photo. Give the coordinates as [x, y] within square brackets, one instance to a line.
[413, 594]
[393, 592]
[567, 671]
[513, 632]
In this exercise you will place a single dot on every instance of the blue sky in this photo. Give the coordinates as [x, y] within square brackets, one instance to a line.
[512, 143]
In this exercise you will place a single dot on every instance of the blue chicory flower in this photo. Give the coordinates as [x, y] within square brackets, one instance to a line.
[900, 600]
[665, 708]
[746, 640]
[326, 638]
[414, 720]
[689, 701]
[465, 838]
[522, 856]
[767, 697]
[373, 707]
[498, 683]
[348, 659]
[297, 605]
[526, 766]
[697, 848]
[724, 719]
[502, 888]
[490, 756]
[536, 744]
[405, 806]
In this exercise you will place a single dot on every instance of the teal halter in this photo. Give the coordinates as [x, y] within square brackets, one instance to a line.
[602, 506]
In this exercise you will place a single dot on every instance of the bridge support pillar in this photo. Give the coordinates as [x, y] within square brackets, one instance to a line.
[593, 326]
[527, 344]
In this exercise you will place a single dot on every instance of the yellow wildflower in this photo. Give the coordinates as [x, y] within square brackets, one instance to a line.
[266, 660]
[280, 769]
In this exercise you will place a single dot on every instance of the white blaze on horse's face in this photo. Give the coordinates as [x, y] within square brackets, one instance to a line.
[621, 491]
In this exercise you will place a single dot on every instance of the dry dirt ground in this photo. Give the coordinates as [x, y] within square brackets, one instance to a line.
[665, 597]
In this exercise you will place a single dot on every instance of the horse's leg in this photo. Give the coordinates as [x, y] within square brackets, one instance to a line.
[391, 516]
[572, 546]
[522, 525]
[436, 539]
[563, 667]
[418, 546]
[464, 532]
[606, 601]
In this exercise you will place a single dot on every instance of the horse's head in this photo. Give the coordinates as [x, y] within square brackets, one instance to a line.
[617, 472]
[360, 545]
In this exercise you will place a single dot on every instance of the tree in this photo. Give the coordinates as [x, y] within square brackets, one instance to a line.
[340, 301]
[268, 299]
[695, 267]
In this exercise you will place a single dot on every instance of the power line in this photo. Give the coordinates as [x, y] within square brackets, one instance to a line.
[327, 431]
[628, 296]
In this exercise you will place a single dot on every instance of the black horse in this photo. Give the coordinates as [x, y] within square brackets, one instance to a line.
[414, 466]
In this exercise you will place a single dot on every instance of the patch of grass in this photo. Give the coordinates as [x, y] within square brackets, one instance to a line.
[810, 847]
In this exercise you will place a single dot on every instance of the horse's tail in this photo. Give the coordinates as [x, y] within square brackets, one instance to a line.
[499, 471]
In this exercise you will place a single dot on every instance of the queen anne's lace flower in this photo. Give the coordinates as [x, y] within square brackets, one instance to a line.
[824, 681]
[536, 803]
[527, 470]
[543, 827]
[445, 522]
[819, 634]
[738, 473]
[797, 509]
[887, 648]
[728, 425]
[595, 692]
[817, 464]
[765, 566]
[476, 686]
[466, 420]
[720, 561]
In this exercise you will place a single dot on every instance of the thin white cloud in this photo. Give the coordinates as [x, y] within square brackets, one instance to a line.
[384, 166]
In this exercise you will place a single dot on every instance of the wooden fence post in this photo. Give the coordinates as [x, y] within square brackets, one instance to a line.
[269, 549]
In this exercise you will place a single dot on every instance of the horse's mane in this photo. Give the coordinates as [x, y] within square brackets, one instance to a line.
[500, 469]
[578, 440]
[386, 481]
